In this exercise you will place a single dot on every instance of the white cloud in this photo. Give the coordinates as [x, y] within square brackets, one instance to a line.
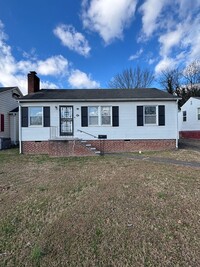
[184, 39]
[191, 38]
[136, 55]
[14, 73]
[171, 39]
[186, 6]
[48, 85]
[79, 79]
[55, 65]
[175, 24]
[151, 61]
[165, 63]
[72, 39]
[151, 10]
[108, 18]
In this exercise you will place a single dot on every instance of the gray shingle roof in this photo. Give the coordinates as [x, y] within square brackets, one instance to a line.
[3, 89]
[15, 110]
[98, 94]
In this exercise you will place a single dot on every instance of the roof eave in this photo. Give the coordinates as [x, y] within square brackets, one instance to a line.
[100, 100]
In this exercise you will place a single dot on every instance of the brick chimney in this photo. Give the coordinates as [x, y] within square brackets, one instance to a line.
[33, 82]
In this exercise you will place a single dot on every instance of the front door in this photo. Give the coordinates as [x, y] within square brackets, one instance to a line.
[66, 120]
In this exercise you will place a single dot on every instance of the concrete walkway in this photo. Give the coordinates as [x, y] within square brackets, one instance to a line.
[160, 160]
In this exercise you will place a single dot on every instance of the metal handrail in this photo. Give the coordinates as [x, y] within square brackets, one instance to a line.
[87, 133]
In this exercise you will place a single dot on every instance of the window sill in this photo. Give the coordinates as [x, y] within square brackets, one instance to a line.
[150, 125]
[35, 126]
[99, 125]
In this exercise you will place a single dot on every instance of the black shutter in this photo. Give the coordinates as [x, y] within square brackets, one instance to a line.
[84, 116]
[161, 115]
[115, 116]
[46, 116]
[24, 116]
[140, 117]
[2, 123]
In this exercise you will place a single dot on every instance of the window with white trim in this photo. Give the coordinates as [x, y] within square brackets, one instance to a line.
[35, 116]
[184, 115]
[99, 116]
[150, 115]
[93, 115]
[198, 114]
[105, 115]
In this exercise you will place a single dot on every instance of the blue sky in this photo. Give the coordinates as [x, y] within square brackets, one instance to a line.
[83, 44]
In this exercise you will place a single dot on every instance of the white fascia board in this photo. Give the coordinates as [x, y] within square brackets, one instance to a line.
[99, 100]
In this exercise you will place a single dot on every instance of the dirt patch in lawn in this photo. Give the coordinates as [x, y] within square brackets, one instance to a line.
[97, 211]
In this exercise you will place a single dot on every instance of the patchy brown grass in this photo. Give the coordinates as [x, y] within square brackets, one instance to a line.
[182, 154]
[97, 211]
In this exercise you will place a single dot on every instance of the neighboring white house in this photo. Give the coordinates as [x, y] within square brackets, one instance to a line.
[75, 122]
[189, 119]
[9, 116]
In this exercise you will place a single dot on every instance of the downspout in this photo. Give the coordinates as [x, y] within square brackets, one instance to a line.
[177, 130]
[20, 130]
[15, 129]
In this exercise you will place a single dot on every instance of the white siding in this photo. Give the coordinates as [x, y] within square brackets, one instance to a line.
[192, 123]
[14, 128]
[7, 103]
[127, 129]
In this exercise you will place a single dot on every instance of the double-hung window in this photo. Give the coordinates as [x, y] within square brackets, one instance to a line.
[36, 116]
[93, 116]
[105, 115]
[184, 115]
[150, 115]
[198, 114]
[99, 115]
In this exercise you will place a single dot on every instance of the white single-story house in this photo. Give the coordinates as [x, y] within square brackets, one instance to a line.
[189, 119]
[9, 119]
[62, 122]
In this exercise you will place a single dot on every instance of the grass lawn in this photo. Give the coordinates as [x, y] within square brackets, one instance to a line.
[98, 211]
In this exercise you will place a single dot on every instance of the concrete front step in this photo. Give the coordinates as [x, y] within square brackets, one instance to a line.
[89, 146]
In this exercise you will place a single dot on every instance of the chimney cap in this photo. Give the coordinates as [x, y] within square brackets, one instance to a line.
[33, 72]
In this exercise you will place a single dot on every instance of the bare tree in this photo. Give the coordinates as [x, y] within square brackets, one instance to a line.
[183, 83]
[132, 78]
[191, 74]
[170, 80]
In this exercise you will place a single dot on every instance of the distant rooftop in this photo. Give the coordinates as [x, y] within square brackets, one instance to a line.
[3, 89]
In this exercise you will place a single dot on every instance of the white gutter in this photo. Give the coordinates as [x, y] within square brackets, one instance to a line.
[99, 100]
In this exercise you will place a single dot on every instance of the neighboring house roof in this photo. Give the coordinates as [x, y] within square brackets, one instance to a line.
[98, 94]
[5, 89]
[14, 110]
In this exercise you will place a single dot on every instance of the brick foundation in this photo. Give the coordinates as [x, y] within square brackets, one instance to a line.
[58, 148]
[190, 134]
[35, 147]
[65, 148]
[133, 145]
